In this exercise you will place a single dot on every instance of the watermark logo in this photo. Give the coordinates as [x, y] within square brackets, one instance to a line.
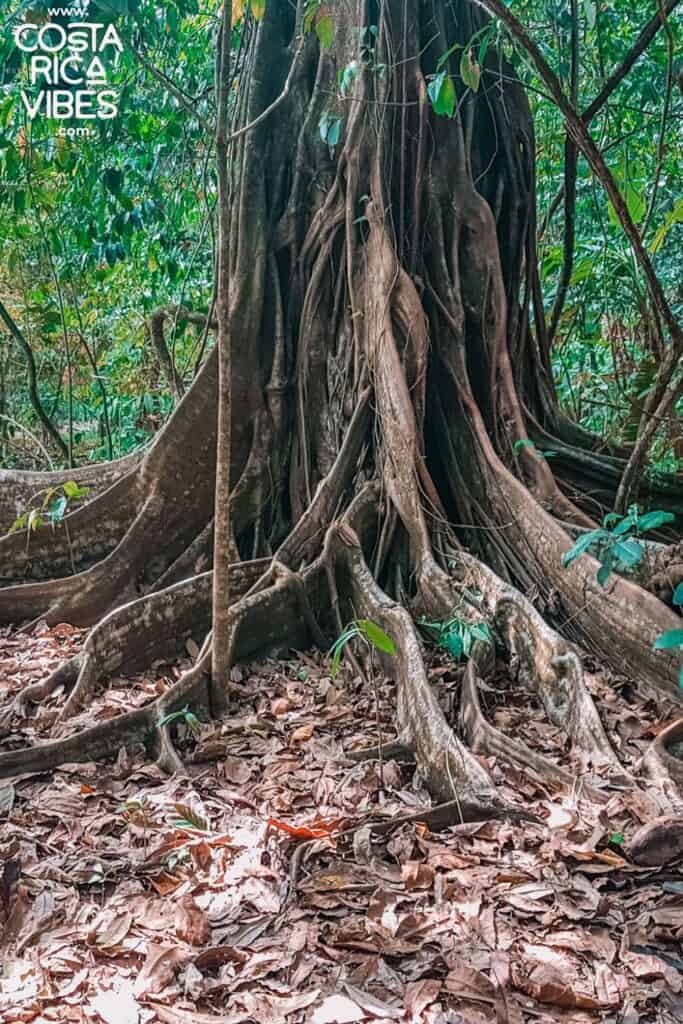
[67, 66]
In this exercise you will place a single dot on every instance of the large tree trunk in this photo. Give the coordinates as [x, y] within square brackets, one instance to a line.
[383, 369]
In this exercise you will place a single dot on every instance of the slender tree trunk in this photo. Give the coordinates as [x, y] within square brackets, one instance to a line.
[220, 663]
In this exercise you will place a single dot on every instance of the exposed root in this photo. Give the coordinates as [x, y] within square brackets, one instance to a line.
[663, 763]
[261, 621]
[543, 661]
[484, 738]
[450, 771]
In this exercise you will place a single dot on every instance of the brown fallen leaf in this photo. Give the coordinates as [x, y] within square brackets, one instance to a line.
[417, 875]
[158, 969]
[546, 984]
[191, 923]
[468, 983]
[109, 929]
[215, 957]
[166, 883]
[301, 735]
[419, 994]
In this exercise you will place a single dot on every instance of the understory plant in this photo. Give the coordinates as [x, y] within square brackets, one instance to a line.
[616, 544]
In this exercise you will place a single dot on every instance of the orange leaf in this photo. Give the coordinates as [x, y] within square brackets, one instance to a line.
[318, 829]
[165, 883]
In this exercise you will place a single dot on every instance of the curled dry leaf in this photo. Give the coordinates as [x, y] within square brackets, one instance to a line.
[419, 994]
[110, 930]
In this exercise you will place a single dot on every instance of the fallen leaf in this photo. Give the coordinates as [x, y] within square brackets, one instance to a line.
[419, 994]
[301, 735]
[158, 969]
[417, 875]
[191, 923]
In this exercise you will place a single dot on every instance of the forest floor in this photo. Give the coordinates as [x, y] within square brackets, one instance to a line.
[129, 897]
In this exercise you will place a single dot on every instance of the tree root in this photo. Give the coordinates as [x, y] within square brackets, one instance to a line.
[262, 621]
[134, 635]
[485, 739]
[663, 763]
[451, 772]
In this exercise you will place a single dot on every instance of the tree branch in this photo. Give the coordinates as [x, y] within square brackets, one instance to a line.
[34, 396]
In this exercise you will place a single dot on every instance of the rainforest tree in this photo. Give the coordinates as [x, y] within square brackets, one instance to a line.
[392, 404]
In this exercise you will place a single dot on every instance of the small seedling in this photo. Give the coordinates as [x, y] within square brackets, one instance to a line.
[614, 544]
[376, 639]
[369, 631]
[185, 716]
[49, 506]
[457, 636]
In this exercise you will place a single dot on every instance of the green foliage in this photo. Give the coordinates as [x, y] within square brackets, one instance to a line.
[49, 506]
[185, 716]
[330, 129]
[99, 230]
[457, 636]
[441, 92]
[368, 631]
[614, 544]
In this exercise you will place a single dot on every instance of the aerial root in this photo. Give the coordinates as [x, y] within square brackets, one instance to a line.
[485, 739]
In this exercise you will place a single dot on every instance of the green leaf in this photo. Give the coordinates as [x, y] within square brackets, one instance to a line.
[635, 204]
[377, 637]
[582, 545]
[590, 10]
[57, 511]
[73, 490]
[678, 595]
[441, 92]
[617, 838]
[451, 640]
[629, 552]
[19, 523]
[312, 8]
[667, 641]
[258, 8]
[605, 570]
[481, 631]
[523, 442]
[34, 519]
[324, 29]
[470, 72]
[652, 520]
[347, 77]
